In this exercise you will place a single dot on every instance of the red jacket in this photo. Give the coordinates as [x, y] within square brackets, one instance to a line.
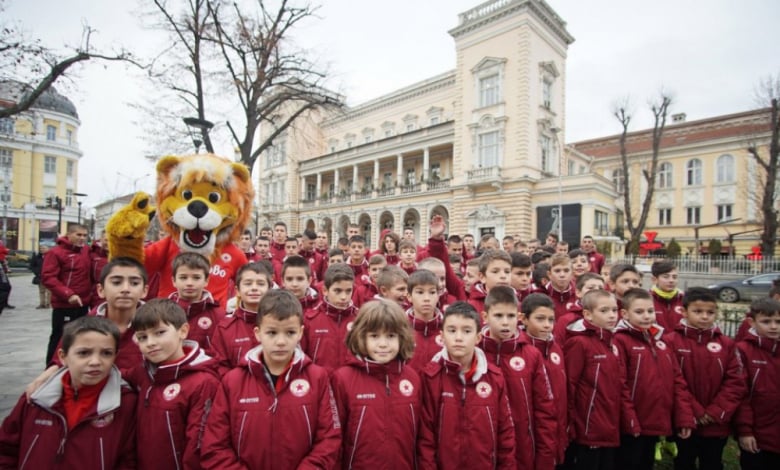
[465, 423]
[316, 264]
[174, 401]
[437, 248]
[379, 408]
[67, 271]
[277, 250]
[658, 391]
[560, 328]
[358, 269]
[98, 258]
[759, 414]
[599, 403]
[203, 317]
[324, 334]
[668, 313]
[714, 374]
[253, 426]
[35, 435]
[363, 293]
[158, 259]
[552, 353]
[530, 397]
[477, 297]
[427, 339]
[234, 337]
[596, 261]
[563, 301]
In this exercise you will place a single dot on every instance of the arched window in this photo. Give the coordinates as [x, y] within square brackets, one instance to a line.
[664, 175]
[725, 165]
[619, 180]
[693, 172]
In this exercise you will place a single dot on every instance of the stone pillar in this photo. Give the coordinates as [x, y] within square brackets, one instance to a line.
[376, 177]
[336, 181]
[426, 168]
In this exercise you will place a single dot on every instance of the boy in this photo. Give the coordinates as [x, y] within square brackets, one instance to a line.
[327, 323]
[495, 268]
[562, 247]
[538, 316]
[667, 298]
[561, 288]
[307, 250]
[408, 253]
[623, 277]
[424, 317]
[599, 404]
[471, 276]
[527, 383]
[277, 410]
[468, 245]
[290, 249]
[262, 249]
[83, 416]
[508, 243]
[178, 383]
[439, 269]
[456, 382]
[357, 256]
[278, 251]
[190, 277]
[540, 276]
[580, 264]
[521, 274]
[586, 283]
[456, 261]
[335, 256]
[392, 284]
[757, 421]
[296, 278]
[714, 375]
[245, 244]
[368, 289]
[658, 391]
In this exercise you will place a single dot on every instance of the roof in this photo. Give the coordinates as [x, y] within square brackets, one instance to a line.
[12, 91]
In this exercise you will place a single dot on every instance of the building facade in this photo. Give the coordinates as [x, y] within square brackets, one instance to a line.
[480, 145]
[39, 155]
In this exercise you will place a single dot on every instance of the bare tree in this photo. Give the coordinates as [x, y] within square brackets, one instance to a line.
[37, 67]
[262, 75]
[769, 91]
[636, 222]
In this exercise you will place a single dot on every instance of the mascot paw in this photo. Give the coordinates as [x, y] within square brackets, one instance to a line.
[126, 229]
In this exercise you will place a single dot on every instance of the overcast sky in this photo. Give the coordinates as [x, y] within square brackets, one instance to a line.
[709, 53]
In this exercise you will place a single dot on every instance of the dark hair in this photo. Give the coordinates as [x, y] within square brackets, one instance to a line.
[500, 295]
[157, 311]
[335, 252]
[266, 228]
[619, 269]
[553, 235]
[634, 294]
[662, 267]
[86, 324]
[123, 262]
[539, 256]
[533, 301]
[290, 239]
[337, 273]
[508, 237]
[562, 243]
[463, 309]
[493, 255]
[391, 275]
[455, 258]
[310, 234]
[74, 227]
[357, 239]
[454, 239]
[407, 245]
[775, 290]
[279, 223]
[590, 299]
[377, 259]
[698, 294]
[422, 277]
[381, 316]
[262, 238]
[520, 260]
[764, 306]
[296, 261]
[191, 260]
[393, 236]
[576, 253]
[255, 267]
[280, 305]
[342, 241]
[587, 277]
[247, 232]
[541, 272]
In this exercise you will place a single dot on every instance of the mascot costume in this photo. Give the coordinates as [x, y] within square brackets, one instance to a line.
[204, 203]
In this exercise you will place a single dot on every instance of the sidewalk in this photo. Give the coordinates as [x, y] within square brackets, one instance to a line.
[24, 333]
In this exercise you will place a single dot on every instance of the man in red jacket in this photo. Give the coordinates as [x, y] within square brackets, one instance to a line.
[66, 273]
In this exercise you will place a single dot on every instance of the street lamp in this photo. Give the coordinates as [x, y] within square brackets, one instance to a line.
[134, 180]
[200, 125]
[79, 204]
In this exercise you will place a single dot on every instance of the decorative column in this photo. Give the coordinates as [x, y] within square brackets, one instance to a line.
[426, 168]
[303, 188]
[319, 188]
[399, 173]
[355, 183]
[376, 178]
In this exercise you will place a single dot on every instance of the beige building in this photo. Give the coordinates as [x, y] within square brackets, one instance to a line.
[707, 185]
[479, 144]
[39, 155]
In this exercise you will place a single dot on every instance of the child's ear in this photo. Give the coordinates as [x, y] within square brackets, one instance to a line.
[184, 330]
[751, 322]
[484, 316]
[624, 314]
[257, 333]
[145, 291]
[61, 354]
[101, 293]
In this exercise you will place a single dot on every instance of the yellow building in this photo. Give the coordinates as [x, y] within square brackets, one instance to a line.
[707, 185]
[479, 144]
[39, 156]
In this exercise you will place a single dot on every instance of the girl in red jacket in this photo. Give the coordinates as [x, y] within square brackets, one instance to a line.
[377, 394]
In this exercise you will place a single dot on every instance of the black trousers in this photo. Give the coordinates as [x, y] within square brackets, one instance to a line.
[636, 453]
[594, 458]
[59, 317]
[708, 451]
[761, 461]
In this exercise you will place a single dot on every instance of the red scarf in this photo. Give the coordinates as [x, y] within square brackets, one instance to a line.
[77, 403]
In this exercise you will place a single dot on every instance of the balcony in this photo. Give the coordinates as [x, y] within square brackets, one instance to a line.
[386, 192]
[438, 184]
[481, 174]
[411, 188]
[362, 195]
[308, 202]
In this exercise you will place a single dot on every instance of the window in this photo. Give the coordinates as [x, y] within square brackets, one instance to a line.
[70, 137]
[547, 93]
[572, 167]
[68, 197]
[488, 90]
[693, 215]
[488, 149]
[387, 180]
[50, 165]
[724, 212]
[69, 169]
[311, 191]
[693, 172]
[6, 158]
[434, 120]
[368, 182]
[664, 175]
[725, 167]
[601, 222]
[51, 133]
[331, 189]
[619, 180]
[664, 217]
[6, 126]
[276, 154]
[350, 186]
[436, 171]
[410, 176]
[545, 153]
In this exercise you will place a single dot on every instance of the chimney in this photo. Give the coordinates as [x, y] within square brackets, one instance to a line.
[678, 118]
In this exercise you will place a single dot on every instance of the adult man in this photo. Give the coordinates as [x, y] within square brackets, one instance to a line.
[596, 259]
[552, 240]
[533, 245]
[277, 244]
[262, 249]
[316, 263]
[66, 273]
[245, 244]
[352, 230]
[468, 244]
[321, 244]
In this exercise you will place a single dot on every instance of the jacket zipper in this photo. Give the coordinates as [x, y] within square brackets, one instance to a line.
[241, 434]
[493, 433]
[170, 435]
[29, 451]
[357, 436]
[592, 398]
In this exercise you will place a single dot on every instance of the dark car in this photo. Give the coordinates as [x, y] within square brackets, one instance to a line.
[19, 258]
[744, 289]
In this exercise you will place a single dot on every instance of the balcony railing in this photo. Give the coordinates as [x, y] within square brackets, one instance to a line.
[386, 192]
[438, 184]
[484, 173]
[363, 195]
[411, 188]
[308, 202]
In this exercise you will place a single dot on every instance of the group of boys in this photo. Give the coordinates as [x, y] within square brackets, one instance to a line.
[525, 361]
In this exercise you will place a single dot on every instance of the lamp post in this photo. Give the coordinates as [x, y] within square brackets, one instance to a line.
[134, 180]
[556, 131]
[79, 204]
[199, 125]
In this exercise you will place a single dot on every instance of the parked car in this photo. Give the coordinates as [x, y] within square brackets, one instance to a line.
[744, 289]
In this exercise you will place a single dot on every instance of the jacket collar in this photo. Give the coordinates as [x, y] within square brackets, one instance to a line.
[699, 335]
[110, 398]
[255, 366]
[543, 345]
[428, 328]
[194, 359]
[197, 307]
[584, 327]
[654, 333]
[453, 368]
[772, 346]
[247, 315]
[493, 346]
[375, 369]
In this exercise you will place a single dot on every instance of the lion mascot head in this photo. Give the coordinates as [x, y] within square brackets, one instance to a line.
[203, 201]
